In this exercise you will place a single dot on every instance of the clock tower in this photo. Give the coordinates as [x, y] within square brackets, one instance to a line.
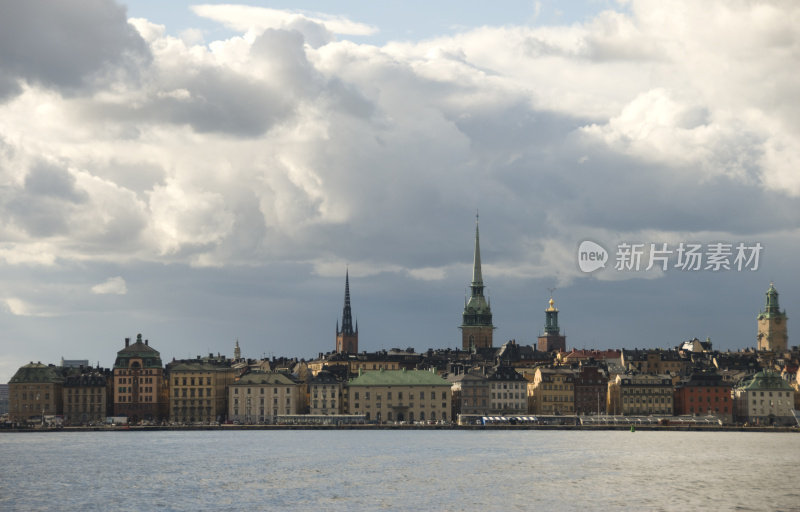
[772, 335]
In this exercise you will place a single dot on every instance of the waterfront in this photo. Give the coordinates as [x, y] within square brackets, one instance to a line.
[399, 470]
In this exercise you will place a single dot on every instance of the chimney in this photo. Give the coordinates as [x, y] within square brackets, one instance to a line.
[147, 342]
[127, 341]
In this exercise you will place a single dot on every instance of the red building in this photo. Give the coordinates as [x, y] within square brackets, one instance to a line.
[702, 394]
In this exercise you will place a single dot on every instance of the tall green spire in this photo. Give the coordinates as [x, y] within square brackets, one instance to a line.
[477, 312]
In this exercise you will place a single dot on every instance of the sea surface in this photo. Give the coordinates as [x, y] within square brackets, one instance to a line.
[445, 470]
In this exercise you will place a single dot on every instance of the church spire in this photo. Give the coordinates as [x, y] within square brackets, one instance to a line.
[477, 277]
[347, 337]
[476, 325]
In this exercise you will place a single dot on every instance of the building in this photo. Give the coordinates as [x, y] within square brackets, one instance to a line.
[552, 340]
[704, 393]
[470, 393]
[394, 359]
[508, 391]
[764, 399]
[326, 394]
[552, 391]
[35, 392]
[400, 395]
[259, 397]
[476, 324]
[347, 337]
[3, 398]
[86, 396]
[772, 335]
[640, 395]
[140, 392]
[591, 387]
[198, 389]
[655, 362]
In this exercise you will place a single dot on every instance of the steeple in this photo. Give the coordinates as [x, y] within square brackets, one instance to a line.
[476, 326]
[477, 277]
[552, 339]
[347, 337]
[772, 334]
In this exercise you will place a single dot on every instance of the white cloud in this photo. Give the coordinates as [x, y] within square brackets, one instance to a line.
[111, 286]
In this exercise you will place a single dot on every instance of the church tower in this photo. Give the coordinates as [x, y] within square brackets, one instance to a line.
[552, 340]
[772, 335]
[476, 326]
[347, 337]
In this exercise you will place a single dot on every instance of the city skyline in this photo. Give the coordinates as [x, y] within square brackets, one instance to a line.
[206, 173]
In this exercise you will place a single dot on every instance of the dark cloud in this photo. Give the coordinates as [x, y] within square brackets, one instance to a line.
[64, 44]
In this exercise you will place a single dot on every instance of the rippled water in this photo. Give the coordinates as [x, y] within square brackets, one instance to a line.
[399, 470]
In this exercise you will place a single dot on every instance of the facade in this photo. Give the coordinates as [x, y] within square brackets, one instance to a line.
[591, 386]
[476, 324]
[507, 391]
[140, 391]
[640, 395]
[198, 389]
[259, 397]
[35, 392]
[552, 391]
[86, 396]
[470, 394]
[704, 393]
[326, 396]
[552, 340]
[772, 335]
[387, 396]
[764, 399]
[347, 336]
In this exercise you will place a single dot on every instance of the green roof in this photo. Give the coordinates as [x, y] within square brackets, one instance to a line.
[36, 372]
[399, 378]
[765, 380]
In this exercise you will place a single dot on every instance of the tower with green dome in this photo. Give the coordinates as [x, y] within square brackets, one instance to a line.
[772, 334]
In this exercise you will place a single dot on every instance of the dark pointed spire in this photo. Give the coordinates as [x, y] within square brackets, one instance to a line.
[347, 315]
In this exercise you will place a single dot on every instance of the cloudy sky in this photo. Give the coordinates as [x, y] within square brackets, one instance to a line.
[202, 173]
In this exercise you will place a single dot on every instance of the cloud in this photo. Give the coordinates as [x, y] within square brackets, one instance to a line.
[65, 46]
[19, 307]
[111, 286]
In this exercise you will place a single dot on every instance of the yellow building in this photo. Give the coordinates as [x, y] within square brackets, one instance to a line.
[140, 392]
[34, 393]
[199, 389]
[259, 397]
[552, 391]
[400, 395]
[640, 395]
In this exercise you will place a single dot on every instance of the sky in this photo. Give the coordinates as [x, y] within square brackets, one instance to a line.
[203, 173]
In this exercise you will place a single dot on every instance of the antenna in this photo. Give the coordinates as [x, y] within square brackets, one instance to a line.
[551, 290]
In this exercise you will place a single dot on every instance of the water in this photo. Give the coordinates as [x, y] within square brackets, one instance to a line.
[399, 470]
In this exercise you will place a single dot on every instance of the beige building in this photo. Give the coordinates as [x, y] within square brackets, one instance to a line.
[640, 395]
[764, 399]
[35, 392]
[470, 394]
[259, 397]
[552, 391]
[198, 389]
[326, 394]
[507, 391]
[400, 395]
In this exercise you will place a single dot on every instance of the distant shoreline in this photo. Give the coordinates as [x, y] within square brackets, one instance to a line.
[649, 428]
